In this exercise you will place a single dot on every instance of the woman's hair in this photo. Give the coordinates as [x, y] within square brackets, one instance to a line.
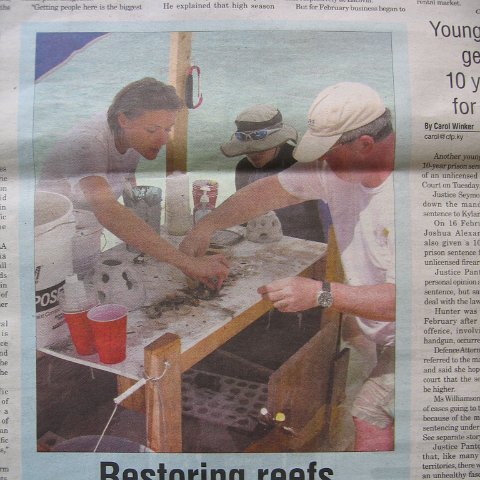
[139, 96]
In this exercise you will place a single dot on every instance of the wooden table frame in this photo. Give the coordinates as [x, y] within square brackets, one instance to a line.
[161, 399]
[304, 379]
[308, 387]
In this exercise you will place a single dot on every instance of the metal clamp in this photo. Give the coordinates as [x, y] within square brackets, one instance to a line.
[189, 88]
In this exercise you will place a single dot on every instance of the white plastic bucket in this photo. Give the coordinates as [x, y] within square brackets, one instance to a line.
[54, 230]
[86, 245]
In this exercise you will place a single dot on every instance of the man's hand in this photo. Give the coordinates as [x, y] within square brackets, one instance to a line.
[212, 270]
[292, 294]
[295, 294]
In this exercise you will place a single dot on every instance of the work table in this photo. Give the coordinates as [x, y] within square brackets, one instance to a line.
[182, 336]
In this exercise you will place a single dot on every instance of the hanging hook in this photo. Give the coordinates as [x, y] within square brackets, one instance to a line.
[189, 88]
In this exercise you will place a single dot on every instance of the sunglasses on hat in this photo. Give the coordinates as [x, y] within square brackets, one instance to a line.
[255, 134]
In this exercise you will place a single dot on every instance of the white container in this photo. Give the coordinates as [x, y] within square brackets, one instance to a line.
[265, 228]
[54, 230]
[86, 242]
[203, 209]
[116, 282]
[178, 216]
[77, 297]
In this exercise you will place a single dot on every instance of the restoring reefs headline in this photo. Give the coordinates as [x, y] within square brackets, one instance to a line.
[112, 471]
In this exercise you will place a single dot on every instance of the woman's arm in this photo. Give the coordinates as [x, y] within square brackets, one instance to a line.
[123, 223]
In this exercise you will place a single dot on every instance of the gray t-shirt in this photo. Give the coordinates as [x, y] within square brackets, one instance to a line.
[88, 150]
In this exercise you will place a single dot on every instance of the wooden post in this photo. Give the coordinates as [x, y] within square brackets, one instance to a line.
[339, 383]
[163, 394]
[180, 58]
[335, 273]
[334, 270]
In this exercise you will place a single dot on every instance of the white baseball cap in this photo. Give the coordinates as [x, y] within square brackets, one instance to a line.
[336, 110]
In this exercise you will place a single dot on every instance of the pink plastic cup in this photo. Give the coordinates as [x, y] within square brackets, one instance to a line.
[109, 325]
[80, 331]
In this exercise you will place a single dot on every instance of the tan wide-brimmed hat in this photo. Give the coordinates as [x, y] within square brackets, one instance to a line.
[259, 128]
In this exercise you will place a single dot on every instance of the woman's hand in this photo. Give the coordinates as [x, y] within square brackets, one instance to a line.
[212, 270]
[121, 221]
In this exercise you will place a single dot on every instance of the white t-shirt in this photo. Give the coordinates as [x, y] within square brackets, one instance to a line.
[87, 150]
[363, 219]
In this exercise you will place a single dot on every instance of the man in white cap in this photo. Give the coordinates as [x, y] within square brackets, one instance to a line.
[347, 159]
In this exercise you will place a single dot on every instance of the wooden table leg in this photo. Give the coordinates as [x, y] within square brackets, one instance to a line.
[136, 401]
[163, 394]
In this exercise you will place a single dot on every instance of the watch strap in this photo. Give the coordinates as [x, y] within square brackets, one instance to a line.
[324, 297]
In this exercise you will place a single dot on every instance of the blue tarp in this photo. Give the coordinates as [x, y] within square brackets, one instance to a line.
[53, 49]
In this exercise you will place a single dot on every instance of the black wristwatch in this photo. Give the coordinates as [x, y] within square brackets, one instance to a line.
[324, 296]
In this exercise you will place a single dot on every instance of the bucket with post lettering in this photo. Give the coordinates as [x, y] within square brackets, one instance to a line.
[54, 231]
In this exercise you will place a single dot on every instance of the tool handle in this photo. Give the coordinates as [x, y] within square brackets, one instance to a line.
[130, 391]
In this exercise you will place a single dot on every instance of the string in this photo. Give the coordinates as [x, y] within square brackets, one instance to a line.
[160, 399]
[130, 392]
[106, 427]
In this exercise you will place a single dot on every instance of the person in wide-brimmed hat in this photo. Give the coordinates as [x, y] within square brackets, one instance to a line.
[267, 143]
[259, 128]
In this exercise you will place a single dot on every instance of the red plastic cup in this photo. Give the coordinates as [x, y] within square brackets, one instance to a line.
[109, 325]
[80, 331]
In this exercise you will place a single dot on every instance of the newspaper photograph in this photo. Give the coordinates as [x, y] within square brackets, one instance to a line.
[239, 240]
[105, 151]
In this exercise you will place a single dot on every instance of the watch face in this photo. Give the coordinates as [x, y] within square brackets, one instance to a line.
[325, 299]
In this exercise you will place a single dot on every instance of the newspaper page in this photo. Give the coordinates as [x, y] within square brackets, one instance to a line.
[260, 380]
